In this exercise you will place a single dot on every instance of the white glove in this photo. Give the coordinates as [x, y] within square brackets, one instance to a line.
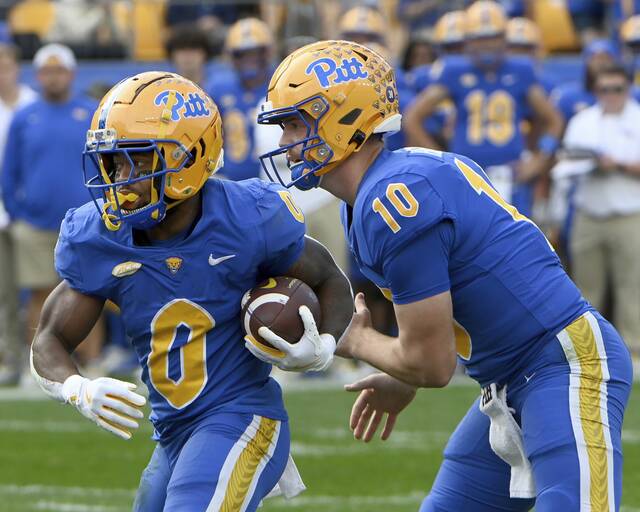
[314, 351]
[110, 403]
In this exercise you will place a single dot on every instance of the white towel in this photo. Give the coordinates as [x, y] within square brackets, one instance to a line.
[290, 483]
[505, 438]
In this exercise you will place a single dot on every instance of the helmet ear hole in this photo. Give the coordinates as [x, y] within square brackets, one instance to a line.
[193, 155]
[358, 138]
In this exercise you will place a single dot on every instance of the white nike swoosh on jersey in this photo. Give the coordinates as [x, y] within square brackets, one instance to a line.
[529, 378]
[215, 261]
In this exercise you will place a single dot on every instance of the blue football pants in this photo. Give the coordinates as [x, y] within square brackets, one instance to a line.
[228, 462]
[570, 404]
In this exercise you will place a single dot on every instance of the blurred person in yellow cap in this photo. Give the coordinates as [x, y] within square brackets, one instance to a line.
[363, 25]
[524, 39]
[249, 45]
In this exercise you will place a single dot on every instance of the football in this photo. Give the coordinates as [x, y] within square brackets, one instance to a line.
[274, 304]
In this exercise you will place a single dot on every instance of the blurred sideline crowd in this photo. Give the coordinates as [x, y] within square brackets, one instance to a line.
[567, 156]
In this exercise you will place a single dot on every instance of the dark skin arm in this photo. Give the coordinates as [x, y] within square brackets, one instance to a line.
[67, 318]
[424, 105]
[317, 268]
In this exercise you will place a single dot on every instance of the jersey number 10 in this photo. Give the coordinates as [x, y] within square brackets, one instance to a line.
[402, 200]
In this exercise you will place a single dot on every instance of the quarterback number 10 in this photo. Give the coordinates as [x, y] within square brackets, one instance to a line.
[402, 200]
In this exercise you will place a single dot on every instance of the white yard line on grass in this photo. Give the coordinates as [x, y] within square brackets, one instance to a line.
[59, 490]
[57, 506]
[64, 427]
[339, 502]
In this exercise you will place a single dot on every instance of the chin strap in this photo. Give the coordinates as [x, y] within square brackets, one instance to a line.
[111, 220]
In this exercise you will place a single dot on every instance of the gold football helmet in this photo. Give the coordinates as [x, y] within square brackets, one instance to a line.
[362, 24]
[159, 114]
[248, 34]
[523, 32]
[485, 18]
[450, 29]
[630, 30]
[342, 92]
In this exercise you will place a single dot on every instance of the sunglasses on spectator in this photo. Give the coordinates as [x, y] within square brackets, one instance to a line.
[612, 89]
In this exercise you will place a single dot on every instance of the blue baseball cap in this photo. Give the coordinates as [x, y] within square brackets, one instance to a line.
[600, 46]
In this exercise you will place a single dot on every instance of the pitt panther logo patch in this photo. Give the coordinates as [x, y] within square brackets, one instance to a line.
[329, 73]
[193, 106]
[173, 264]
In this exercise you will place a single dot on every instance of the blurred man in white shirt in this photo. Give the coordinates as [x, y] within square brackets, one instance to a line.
[606, 235]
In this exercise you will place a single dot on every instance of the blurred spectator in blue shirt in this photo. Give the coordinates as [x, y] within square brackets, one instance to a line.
[42, 173]
[250, 47]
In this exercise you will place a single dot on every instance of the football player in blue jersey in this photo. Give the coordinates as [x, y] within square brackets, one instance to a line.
[249, 43]
[448, 39]
[176, 251]
[630, 37]
[492, 93]
[469, 275]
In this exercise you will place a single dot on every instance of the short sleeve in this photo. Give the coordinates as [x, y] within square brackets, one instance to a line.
[528, 74]
[421, 269]
[78, 260]
[66, 260]
[562, 101]
[398, 210]
[282, 229]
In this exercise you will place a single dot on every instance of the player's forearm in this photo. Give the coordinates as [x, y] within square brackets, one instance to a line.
[50, 358]
[416, 134]
[408, 363]
[336, 303]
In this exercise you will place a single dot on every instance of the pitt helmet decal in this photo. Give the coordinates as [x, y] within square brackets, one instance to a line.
[328, 72]
[194, 106]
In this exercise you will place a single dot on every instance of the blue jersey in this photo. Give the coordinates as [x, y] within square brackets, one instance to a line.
[425, 222]
[569, 99]
[180, 304]
[490, 106]
[237, 107]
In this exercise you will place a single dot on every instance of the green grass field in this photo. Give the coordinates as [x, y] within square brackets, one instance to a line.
[52, 459]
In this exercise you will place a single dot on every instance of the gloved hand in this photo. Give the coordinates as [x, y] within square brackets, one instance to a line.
[110, 403]
[314, 351]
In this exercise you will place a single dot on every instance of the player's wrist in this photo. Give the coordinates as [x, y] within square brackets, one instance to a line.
[548, 145]
[326, 353]
[72, 389]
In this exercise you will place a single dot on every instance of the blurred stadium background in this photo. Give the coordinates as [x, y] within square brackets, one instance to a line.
[52, 459]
